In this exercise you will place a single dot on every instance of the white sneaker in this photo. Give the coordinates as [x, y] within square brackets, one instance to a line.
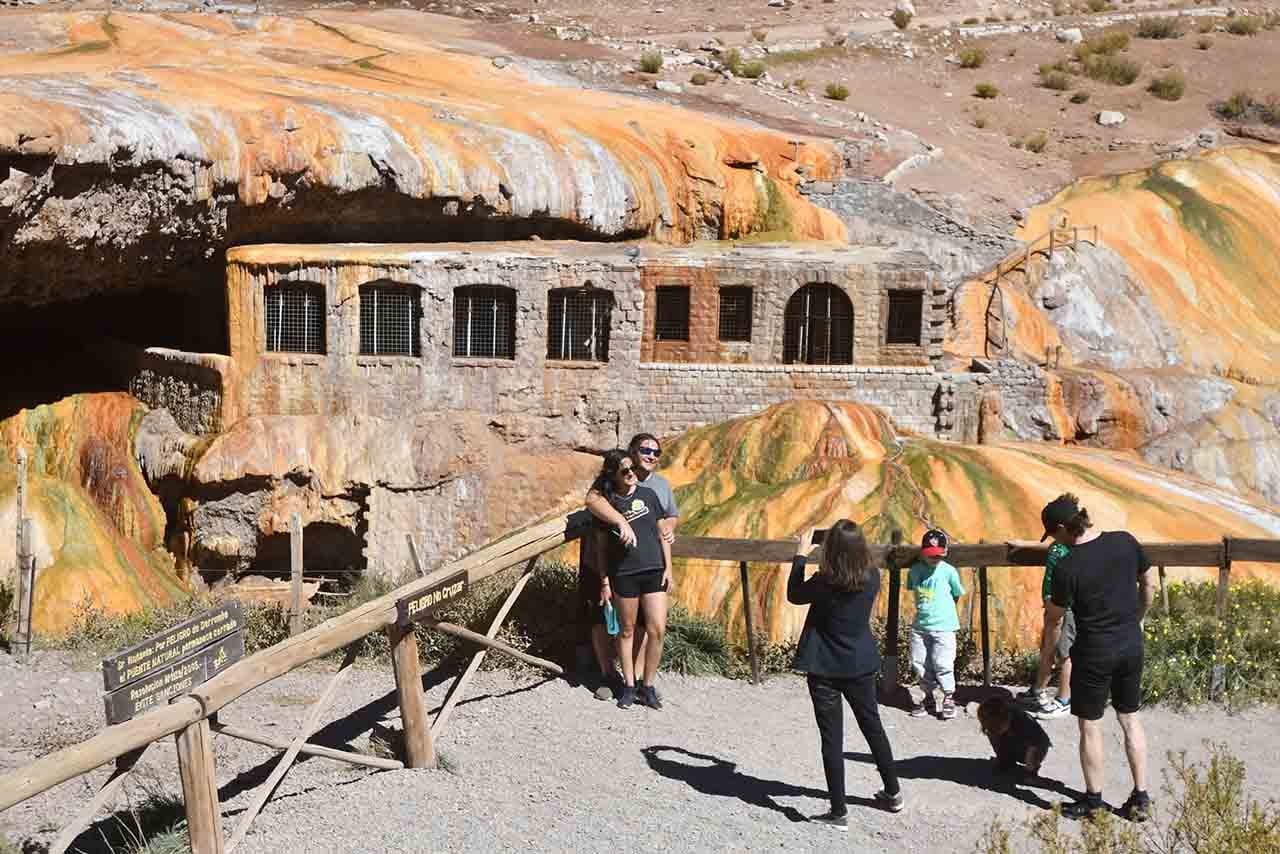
[1054, 708]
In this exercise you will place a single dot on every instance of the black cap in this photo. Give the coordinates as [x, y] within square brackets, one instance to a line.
[933, 544]
[1057, 513]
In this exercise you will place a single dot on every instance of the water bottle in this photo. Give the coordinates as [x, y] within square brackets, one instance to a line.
[611, 619]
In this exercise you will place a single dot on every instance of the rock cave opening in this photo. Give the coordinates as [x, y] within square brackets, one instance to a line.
[57, 349]
[328, 550]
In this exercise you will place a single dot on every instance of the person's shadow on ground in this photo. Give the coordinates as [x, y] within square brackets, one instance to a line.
[723, 779]
[980, 773]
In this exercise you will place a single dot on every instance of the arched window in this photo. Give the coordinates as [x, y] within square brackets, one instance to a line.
[389, 315]
[294, 317]
[484, 322]
[818, 327]
[578, 324]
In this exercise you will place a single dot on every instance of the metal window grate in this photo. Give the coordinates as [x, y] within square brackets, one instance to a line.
[484, 322]
[671, 319]
[735, 314]
[294, 318]
[389, 316]
[906, 311]
[578, 324]
[818, 327]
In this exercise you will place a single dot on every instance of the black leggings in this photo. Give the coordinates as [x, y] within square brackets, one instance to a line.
[861, 694]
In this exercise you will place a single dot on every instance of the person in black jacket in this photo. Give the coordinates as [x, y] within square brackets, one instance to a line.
[838, 652]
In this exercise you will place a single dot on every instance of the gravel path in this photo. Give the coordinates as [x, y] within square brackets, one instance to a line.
[542, 766]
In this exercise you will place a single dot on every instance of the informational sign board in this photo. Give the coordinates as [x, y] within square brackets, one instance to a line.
[420, 605]
[171, 645]
[177, 678]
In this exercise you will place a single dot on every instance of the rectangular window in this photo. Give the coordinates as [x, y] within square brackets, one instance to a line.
[671, 321]
[294, 318]
[578, 324]
[484, 322]
[735, 314]
[905, 317]
[389, 320]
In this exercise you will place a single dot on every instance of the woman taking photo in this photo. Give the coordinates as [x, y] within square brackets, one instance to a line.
[838, 652]
[639, 573]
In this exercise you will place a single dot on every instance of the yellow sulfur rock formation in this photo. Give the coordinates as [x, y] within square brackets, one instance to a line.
[808, 463]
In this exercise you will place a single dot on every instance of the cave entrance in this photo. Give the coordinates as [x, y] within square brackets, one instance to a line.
[54, 350]
[328, 550]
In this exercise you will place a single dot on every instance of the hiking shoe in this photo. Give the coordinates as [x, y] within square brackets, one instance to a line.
[830, 819]
[1031, 698]
[948, 708]
[1084, 808]
[1137, 808]
[1052, 708]
[628, 697]
[918, 710]
[886, 801]
[649, 697]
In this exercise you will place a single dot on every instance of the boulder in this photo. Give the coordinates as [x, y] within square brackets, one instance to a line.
[1070, 36]
[1111, 118]
[905, 6]
[667, 86]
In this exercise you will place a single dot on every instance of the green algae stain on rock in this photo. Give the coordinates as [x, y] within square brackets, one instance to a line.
[1208, 221]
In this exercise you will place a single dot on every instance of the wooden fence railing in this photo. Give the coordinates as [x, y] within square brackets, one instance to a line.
[192, 717]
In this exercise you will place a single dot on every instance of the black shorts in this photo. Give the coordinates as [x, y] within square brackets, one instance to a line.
[589, 597]
[638, 584]
[1094, 678]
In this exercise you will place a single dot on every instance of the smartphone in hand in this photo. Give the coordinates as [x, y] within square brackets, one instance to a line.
[819, 534]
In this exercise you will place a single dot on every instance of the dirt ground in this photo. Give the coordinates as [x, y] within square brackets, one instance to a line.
[541, 765]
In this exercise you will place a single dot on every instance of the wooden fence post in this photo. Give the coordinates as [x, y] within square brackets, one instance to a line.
[419, 750]
[26, 588]
[751, 632]
[1164, 592]
[889, 668]
[200, 788]
[1218, 679]
[295, 573]
[983, 594]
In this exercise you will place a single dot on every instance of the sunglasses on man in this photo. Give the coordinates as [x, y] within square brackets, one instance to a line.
[649, 452]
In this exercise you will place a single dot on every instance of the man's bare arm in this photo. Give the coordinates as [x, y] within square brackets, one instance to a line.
[1146, 594]
[1053, 615]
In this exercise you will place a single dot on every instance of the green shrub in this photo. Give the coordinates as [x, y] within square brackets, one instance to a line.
[1206, 26]
[1204, 43]
[837, 91]
[1056, 80]
[986, 90]
[1115, 70]
[1036, 142]
[1080, 97]
[700, 78]
[1269, 110]
[759, 35]
[992, 19]
[753, 70]
[1168, 87]
[1107, 44]
[1236, 106]
[799, 83]
[969, 22]
[6, 606]
[1244, 25]
[901, 18]
[1159, 28]
[1096, 6]
[972, 57]
[1060, 9]
[732, 60]
[695, 646]
[651, 62]
[980, 122]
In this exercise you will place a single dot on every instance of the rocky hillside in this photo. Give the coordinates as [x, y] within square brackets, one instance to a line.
[807, 463]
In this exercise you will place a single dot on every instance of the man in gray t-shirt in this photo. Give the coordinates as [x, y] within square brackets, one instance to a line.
[647, 450]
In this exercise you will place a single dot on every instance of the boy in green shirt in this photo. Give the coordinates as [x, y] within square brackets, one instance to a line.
[936, 585]
[1037, 698]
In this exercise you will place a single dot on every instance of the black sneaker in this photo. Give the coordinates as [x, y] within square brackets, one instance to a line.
[649, 697]
[830, 819]
[1137, 808]
[892, 803]
[918, 710]
[1085, 808]
[628, 697]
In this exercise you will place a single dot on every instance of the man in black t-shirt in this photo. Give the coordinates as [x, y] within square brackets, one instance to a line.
[1106, 580]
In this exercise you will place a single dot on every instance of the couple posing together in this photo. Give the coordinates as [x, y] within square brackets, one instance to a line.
[1103, 578]
[626, 565]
